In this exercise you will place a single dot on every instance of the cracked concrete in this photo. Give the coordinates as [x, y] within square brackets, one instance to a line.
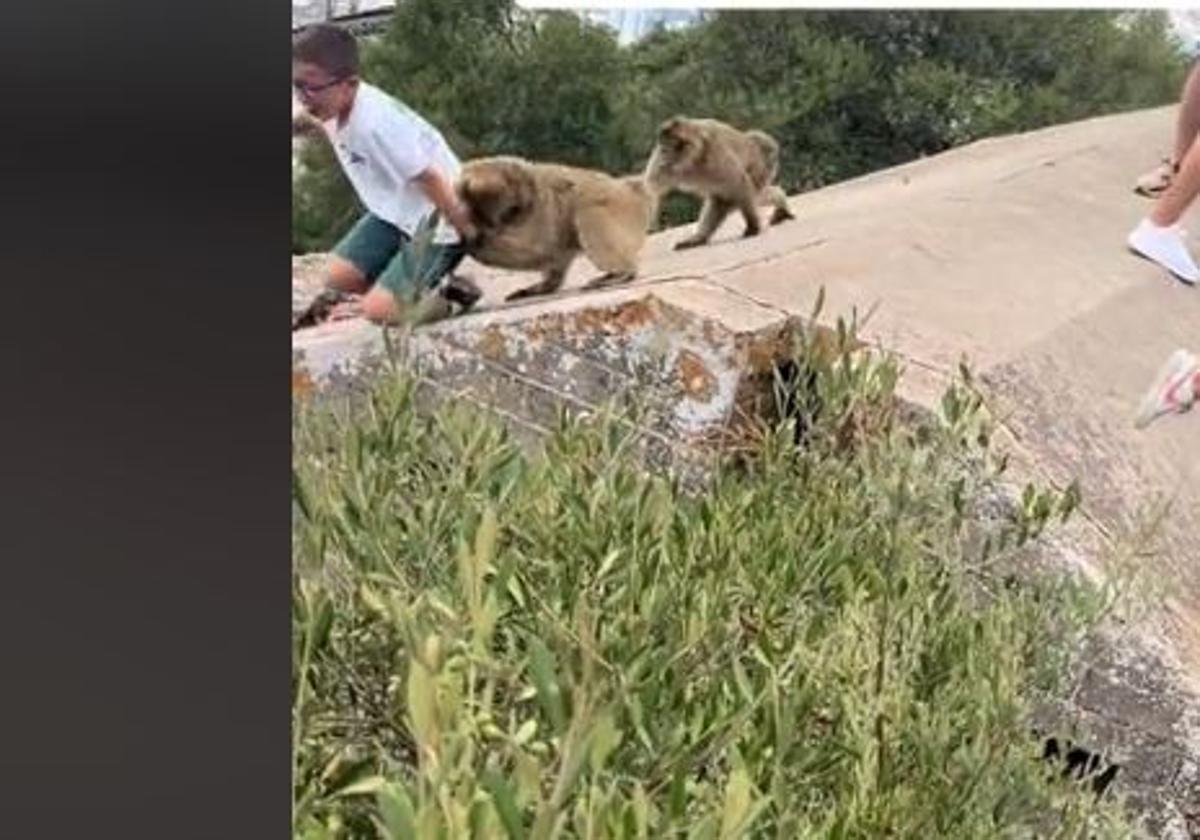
[1008, 253]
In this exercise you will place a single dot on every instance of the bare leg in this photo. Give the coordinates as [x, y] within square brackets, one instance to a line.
[1187, 125]
[1170, 207]
[1157, 238]
[380, 306]
[344, 276]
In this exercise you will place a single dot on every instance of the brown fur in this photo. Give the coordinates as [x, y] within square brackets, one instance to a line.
[541, 216]
[728, 168]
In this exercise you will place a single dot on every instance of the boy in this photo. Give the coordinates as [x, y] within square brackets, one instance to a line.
[402, 170]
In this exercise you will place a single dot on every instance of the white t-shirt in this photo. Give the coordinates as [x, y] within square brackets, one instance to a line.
[381, 148]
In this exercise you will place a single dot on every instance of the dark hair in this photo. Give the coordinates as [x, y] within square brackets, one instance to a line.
[329, 47]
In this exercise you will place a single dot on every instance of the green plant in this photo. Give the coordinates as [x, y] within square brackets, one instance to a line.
[492, 645]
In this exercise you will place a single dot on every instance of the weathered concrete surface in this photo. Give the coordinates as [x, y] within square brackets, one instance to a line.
[698, 359]
[1008, 253]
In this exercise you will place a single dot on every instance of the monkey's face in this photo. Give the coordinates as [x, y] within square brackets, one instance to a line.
[497, 193]
[679, 141]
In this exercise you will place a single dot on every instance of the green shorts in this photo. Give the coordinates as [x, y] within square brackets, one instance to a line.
[388, 256]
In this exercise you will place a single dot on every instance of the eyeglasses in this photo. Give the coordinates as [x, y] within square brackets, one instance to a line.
[304, 89]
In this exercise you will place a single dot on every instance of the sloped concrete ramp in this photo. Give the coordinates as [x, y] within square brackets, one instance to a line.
[1008, 254]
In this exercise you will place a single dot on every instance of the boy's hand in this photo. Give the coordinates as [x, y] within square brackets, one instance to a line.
[440, 191]
[302, 121]
[466, 228]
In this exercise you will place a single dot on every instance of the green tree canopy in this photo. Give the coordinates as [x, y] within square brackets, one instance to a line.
[845, 92]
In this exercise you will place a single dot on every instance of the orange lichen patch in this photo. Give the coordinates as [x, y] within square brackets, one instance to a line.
[697, 380]
[302, 383]
[491, 343]
[589, 319]
[625, 316]
[635, 313]
[540, 327]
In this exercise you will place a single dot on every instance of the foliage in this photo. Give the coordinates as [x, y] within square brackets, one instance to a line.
[846, 92]
[490, 645]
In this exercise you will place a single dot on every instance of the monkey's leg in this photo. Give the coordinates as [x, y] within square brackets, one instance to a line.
[714, 212]
[610, 278]
[776, 197]
[747, 203]
[654, 213]
[612, 239]
[552, 278]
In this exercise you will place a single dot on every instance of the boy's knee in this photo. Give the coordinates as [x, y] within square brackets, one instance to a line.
[379, 306]
[345, 276]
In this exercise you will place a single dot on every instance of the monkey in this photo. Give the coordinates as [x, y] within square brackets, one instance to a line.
[540, 216]
[726, 167]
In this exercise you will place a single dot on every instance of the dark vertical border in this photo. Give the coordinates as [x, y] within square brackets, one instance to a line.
[144, 214]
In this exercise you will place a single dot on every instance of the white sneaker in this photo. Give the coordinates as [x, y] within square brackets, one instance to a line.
[1164, 245]
[1173, 391]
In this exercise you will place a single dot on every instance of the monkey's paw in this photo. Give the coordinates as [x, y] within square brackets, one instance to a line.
[609, 279]
[521, 294]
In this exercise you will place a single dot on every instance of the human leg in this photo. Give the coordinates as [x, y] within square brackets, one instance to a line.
[1158, 237]
[1187, 126]
[417, 268]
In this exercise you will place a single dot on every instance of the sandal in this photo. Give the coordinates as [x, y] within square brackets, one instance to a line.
[1154, 182]
[461, 290]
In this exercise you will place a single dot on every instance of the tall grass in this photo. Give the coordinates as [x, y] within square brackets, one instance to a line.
[492, 645]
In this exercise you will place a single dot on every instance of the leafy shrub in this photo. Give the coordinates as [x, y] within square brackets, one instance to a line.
[489, 644]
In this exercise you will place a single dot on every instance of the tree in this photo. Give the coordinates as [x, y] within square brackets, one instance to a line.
[845, 92]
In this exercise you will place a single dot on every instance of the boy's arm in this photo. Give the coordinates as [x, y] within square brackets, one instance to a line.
[408, 152]
[440, 191]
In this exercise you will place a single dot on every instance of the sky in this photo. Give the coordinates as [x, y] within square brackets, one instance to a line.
[632, 23]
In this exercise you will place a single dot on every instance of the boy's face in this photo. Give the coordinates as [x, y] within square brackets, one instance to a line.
[322, 95]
